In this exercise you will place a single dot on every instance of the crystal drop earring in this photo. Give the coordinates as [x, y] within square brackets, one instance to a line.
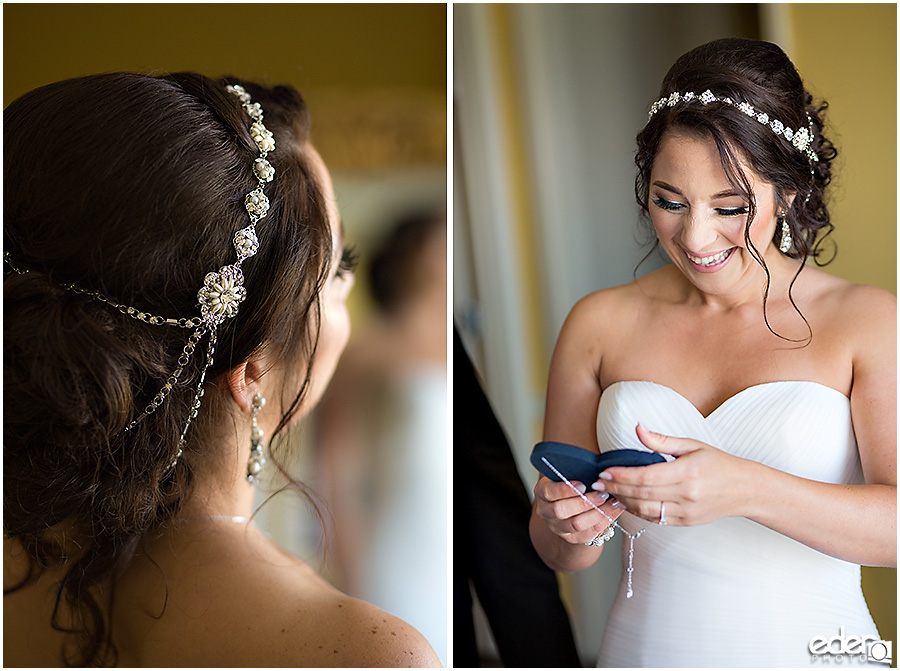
[257, 459]
[786, 239]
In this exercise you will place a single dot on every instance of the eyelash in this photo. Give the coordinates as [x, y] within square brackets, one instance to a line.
[349, 261]
[669, 206]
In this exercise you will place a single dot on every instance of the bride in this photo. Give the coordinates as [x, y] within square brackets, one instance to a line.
[769, 386]
[172, 251]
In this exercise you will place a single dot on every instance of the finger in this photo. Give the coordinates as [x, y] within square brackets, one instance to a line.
[651, 511]
[569, 507]
[584, 527]
[627, 492]
[554, 491]
[665, 473]
[664, 444]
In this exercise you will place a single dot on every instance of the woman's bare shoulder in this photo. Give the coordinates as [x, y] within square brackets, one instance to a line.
[301, 620]
[867, 300]
[348, 632]
[256, 605]
[858, 307]
[596, 305]
[613, 308]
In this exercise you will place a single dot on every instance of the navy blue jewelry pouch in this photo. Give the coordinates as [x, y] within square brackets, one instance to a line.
[581, 465]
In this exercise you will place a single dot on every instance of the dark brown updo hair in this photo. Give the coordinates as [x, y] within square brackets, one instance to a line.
[761, 74]
[132, 186]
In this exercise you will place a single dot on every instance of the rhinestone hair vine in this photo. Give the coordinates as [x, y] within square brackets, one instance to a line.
[222, 291]
[801, 138]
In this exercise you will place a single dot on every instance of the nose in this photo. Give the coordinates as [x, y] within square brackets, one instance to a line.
[699, 233]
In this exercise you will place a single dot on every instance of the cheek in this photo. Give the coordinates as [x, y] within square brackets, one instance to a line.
[762, 228]
[665, 224]
[335, 329]
[334, 332]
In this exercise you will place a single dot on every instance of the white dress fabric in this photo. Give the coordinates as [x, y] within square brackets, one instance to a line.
[734, 593]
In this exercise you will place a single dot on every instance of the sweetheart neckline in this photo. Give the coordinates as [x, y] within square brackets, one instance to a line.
[730, 398]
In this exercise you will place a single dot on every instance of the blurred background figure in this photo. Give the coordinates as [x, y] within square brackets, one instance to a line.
[382, 433]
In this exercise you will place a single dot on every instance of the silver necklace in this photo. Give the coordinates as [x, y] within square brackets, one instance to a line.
[237, 519]
[629, 592]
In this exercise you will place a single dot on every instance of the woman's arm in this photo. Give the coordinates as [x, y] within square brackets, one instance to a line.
[561, 521]
[853, 523]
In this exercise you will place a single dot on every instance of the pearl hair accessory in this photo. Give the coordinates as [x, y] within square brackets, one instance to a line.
[222, 291]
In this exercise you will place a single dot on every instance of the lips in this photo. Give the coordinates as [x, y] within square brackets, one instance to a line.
[710, 261]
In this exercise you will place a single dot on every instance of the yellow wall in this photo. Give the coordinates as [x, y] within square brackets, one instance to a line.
[510, 97]
[375, 67]
[309, 45]
[848, 54]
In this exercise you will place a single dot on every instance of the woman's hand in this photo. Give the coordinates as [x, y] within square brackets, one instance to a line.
[568, 515]
[702, 485]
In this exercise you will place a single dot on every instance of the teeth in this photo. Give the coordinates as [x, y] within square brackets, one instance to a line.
[708, 260]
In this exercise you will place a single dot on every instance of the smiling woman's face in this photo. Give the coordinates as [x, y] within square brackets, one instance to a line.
[700, 217]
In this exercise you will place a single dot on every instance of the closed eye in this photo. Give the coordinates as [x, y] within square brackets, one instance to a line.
[667, 205]
[349, 261]
[732, 211]
[672, 206]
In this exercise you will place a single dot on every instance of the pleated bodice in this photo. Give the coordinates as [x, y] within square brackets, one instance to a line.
[734, 593]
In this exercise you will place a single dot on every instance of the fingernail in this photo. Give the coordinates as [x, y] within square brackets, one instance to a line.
[599, 486]
[604, 498]
[620, 505]
[605, 476]
[581, 488]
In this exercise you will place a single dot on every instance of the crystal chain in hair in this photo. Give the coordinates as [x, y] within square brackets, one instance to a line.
[801, 138]
[222, 291]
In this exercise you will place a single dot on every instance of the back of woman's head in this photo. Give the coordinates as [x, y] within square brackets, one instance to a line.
[761, 75]
[133, 187]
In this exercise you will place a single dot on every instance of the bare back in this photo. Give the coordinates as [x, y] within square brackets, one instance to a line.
[221, 596]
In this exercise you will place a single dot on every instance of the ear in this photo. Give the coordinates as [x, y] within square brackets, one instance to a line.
[243, 383]
[789, 199]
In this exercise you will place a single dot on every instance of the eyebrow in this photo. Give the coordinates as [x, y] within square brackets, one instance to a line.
[728, 193]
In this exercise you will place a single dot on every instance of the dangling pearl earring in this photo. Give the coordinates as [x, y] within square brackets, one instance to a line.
[257, 460]
[786, 239]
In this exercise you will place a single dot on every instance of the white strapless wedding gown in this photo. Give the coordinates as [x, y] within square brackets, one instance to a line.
[735, 593]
